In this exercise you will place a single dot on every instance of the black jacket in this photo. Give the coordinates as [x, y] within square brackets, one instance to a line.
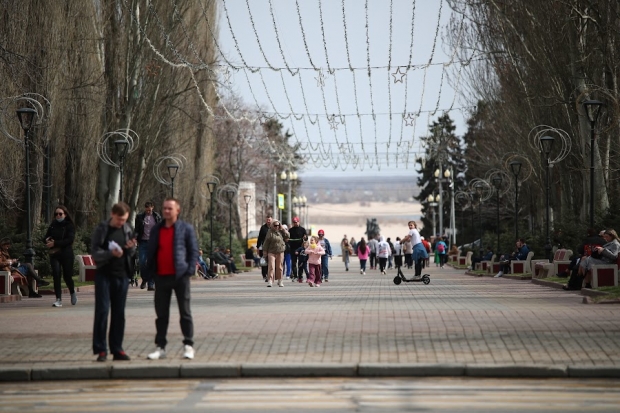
[100, 252]
[139, 223]
[262, 234]
[63, 234]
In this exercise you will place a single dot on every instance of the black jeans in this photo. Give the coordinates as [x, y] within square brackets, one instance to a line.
[373, 260]
[265, 268]
[382, 263]
[110, 296]
[294, 258]
[163, 294]
[409, 260]
[62, 261]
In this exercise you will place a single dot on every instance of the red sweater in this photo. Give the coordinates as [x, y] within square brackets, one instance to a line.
[165, 252]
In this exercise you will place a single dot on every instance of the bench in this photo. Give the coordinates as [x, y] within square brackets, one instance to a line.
[246, 261]
[522, 267]
[485, 265]
[605, 275]
[561, 261]
[453, 259]
[87, 267]
[5, 282]
[466, 260]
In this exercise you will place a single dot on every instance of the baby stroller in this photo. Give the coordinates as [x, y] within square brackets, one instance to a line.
[136, 272]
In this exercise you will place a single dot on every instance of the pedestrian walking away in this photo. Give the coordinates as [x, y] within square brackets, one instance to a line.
[383, 253]
[273, 249]
[144, 223]
[262, 233]
[315, 253]
[363, 251]
[298, 236]
[113, 247]
[59, 241]
[171, 261]
[324, 243]
[398, 250]
[302, 261]
[372, 243]
[441, 248]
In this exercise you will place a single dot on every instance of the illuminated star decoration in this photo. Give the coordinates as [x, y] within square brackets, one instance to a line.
[320, 80]
[333, 123]
[397, 74]
[409, 119]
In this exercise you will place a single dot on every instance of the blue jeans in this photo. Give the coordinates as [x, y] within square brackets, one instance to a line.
[288, 263]
[142, 252]
[324, 266]
[110, 294]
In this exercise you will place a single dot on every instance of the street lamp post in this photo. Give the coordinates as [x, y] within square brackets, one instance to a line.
[122, 146]
[173, 169]
[247, 199]
[497, 182]
[546, 143]
[212, 185]
[26, 118]
[592, 109]
[450, 180]
[479, 187]
[289, 178]
[432, 202]
[438, 174]
[230, 194]
[515, 167]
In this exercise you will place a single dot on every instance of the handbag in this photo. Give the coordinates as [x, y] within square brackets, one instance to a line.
[263, 262]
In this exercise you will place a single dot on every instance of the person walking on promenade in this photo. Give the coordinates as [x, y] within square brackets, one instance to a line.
[171, 261]
[287, 257]
[363, 251]
[353, 245]
[59, 241]
[441, 248]
[408, 252]
[398, 251]
[392, 251]
[113, 247]
[298, 236]
[419, 252]
[302, 262]
[273, 248]
[383, 253]
[347, 251]
[427, 246]
[262, 233]
[324, 243]
[372, 243]
[315, 254]
[144, 222]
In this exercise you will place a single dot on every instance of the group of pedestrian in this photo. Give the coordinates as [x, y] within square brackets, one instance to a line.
[289, 254]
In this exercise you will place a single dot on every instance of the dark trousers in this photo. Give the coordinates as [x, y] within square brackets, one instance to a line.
[398, 261]
[62, 262]
[301, 267]
[294, 266]
[265, 268]
[142, 253]
[325, 266]
[382, 263]
[164, 285]
[110, 297]
[363, 265]
[409, 260]
[373, 260]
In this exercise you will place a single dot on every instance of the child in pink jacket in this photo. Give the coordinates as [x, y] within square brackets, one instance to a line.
[314, 252]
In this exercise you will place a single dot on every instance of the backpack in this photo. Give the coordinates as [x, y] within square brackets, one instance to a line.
[441, 248]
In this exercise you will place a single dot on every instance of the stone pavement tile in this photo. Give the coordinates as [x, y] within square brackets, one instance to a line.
[350, 320]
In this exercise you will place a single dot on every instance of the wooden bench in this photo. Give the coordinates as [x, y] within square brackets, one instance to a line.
[466, 260]
[485, 265]
[453, 259]
[246, 261]
[561, 261]
[87, 267]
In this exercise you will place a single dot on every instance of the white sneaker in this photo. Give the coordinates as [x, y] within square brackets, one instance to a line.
[57, 303]
[73, 299]
[189, 352]
[317, 285]
[499, 274]
[269, 284]
[383, 272]
[364, 273]
[280, 283]
[159, 353]
[361, 271]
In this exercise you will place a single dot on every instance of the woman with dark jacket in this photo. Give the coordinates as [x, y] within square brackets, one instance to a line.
[59, 240]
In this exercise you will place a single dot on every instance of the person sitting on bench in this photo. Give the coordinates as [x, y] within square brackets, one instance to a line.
[22, 273]
[485, 257]
[607, 254]
[520, 254]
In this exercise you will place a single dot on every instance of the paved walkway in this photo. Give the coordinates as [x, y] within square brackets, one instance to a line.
[351, 319]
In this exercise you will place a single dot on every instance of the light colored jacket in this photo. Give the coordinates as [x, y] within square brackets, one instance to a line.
[314, 254]
[383, 249]
[275, 241]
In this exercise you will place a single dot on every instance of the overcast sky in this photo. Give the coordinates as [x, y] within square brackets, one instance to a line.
[353, 139]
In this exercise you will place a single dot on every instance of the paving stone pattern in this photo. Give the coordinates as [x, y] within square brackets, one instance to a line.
[351, 319]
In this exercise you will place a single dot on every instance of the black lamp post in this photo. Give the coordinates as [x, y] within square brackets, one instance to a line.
[173, 169]
[122, 146]
[211, 186]
[497, 182]
[247, 199]
[433, 203]
[26, 118]
[230, 194]
[546, 143]
[593, 110]
[479, 188]
[515, 167]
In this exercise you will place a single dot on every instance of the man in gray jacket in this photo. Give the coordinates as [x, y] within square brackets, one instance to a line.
[171, 261]
[113, 247]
